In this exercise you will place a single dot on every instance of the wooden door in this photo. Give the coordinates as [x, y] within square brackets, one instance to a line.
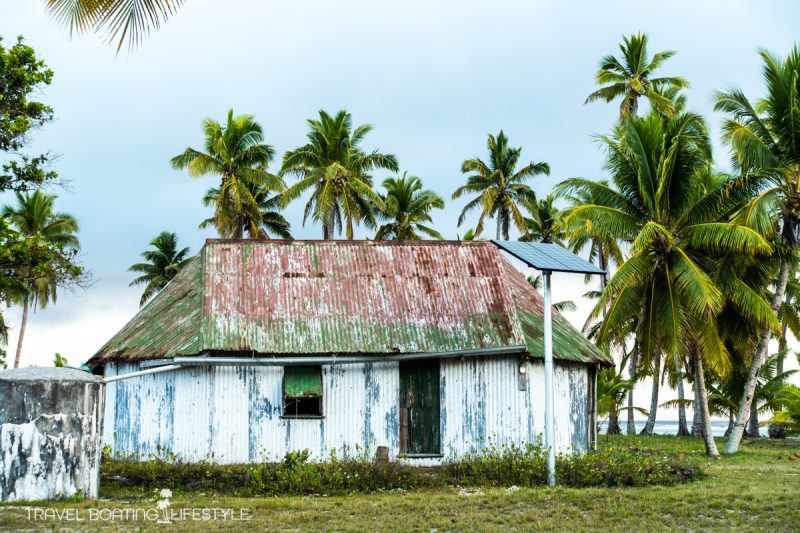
[419, 407]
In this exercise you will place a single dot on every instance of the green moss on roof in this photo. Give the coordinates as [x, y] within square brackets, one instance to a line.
[319, 297]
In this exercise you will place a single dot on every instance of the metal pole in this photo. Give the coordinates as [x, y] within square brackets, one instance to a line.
[155, 370]
[549, 423]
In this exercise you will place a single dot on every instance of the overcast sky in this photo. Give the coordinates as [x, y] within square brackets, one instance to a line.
[433, 77]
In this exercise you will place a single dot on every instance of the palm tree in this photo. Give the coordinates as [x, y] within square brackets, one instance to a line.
[337, 170]
[661, 207]
[725, 392]
[789, 316]
[407, 209]
[499, 185]
[237, 153]
[603, 250]
[160, 266]
[122, 20]
[33, 216]
[765, 141]
[612, 388]
[630, 78]
[544, 224]
[787, 408]
[271, 221]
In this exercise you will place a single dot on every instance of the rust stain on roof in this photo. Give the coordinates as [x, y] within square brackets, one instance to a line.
[315, 297]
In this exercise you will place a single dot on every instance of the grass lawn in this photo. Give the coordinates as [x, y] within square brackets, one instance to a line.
[755, 490]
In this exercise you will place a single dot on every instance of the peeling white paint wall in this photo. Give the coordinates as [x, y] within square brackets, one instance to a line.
[53, 466]
[50, 434]
[233, 414]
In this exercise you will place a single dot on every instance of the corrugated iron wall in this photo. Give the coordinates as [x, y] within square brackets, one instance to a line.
[233, 414]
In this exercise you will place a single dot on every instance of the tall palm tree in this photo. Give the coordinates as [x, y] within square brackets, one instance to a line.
[660, 206]
[630, 77]
[499, 185]
[235, 152]
[270, 223]
[337, 170]
[544, 224]
[160, 266]
[407, 209]
[34, 216]
[120, 20]
[765, 141]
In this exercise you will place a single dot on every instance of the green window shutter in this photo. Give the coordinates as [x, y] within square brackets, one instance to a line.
[302, 381]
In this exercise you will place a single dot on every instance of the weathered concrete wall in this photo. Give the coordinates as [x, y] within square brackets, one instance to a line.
[233, 414]
[50, 433]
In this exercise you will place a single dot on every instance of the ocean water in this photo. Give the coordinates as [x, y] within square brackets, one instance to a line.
[670, 427]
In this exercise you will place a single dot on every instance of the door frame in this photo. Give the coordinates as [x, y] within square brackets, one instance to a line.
[403, 435]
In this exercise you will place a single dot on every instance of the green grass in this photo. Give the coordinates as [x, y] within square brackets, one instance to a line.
[755, 490]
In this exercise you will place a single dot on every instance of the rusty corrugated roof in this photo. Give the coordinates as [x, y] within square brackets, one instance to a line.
[343, 297]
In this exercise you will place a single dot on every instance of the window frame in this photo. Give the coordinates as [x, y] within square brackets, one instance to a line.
[286, 399]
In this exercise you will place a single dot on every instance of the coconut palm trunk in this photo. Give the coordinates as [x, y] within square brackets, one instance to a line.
[752, 424]
[778, 431]
[697, 416]
[699, 379]
[613, 423]
[603, 263]
[650, 425]
[730, 424]
[22, 327]
[732, 446]
[634, 363]
[683, 429]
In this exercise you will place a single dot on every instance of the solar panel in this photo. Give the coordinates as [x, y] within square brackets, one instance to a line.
[545, 256]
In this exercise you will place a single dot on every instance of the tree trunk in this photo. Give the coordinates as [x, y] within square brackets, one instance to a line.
[700, 380]
[22, 327]
[637, 348]
[613, 423]
[782, 347]
[328, 227]
[778, 431]
[683, 429]
[732, 446]
[650, 425]
[730, 424]
[752, 424]
[633, 365]
[697, 416]
[601, 258]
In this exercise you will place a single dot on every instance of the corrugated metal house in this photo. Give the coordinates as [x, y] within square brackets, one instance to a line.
[430, 349]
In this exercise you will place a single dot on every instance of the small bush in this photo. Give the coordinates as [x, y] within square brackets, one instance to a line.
[292, 476]
[611, 467]
[504, 467]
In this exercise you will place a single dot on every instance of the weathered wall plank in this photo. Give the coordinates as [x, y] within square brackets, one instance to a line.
[233, 414]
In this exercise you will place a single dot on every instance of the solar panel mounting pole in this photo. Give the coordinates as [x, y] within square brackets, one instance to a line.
[549, 423]
[548, 258]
